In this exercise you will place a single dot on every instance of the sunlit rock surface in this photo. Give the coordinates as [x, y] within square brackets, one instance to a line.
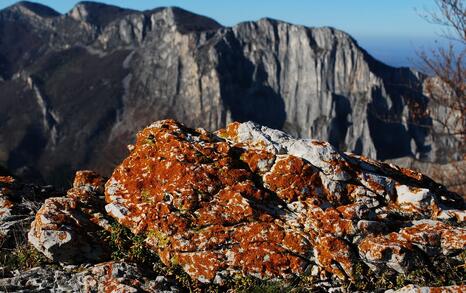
[252, 200]
[65, 228]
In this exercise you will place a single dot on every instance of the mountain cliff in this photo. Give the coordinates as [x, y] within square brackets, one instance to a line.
[81, 83]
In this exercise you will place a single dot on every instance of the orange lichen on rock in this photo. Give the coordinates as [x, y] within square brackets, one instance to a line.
[334, 254]
[63, 227]
[428, 234]
[390, 250]
[87, 185]
[259, 161]
[203, 264]
[292, 178]
[6, 185]
[231, 131]
[330, 221]
[227, 208]
[189, 191]
[412, 174]
[63, 233]
[253, 200]
[6, 180]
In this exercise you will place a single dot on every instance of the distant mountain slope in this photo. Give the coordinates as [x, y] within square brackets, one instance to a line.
[80, 84]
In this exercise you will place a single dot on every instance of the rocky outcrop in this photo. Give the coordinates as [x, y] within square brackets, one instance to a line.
[137, 67]
[252, 200]
[66, 229]
[70, 229]
[451, 174]
[105, 277]
[19, 203]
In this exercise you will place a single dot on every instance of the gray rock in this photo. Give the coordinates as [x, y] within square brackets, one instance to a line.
[414, 288]
[19, 203]
[66, 229]
[452, 175]
[104, 277]
[63, 233]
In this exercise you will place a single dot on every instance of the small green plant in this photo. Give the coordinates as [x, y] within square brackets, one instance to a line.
[162, 239]
[434, 272]
[22, 257]
[146, 196]
[243, 284]
[182, 278]
[367, 280]
[126, 245]
[150, 140]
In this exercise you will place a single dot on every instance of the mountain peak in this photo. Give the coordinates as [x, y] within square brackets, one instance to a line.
[99, 14]
[186, 20]
[32, 8]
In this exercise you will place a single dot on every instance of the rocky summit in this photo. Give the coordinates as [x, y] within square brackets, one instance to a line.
[241, 208]
[116, 70]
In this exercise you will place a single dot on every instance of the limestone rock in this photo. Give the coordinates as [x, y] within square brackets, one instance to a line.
[452, 175]
[104, 277]
[251, 200]
[65, 229]
[19, 202]
[420, 289]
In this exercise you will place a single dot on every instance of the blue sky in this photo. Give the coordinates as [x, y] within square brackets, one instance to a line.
[392, 30]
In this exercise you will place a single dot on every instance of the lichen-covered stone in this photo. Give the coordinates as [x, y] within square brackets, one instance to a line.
[65, 228]
[252, 200]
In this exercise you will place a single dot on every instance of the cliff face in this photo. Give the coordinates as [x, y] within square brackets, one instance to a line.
[85, 81]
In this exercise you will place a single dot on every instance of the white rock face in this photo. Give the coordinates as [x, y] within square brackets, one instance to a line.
[65, 228]
[319, 153]
[418, 197]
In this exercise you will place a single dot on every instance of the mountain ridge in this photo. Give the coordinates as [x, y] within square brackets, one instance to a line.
[34, 7]
[87, 87]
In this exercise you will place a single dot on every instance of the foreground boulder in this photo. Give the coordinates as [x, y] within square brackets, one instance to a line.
[254, 201]
[19, 203]
[66, 229]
